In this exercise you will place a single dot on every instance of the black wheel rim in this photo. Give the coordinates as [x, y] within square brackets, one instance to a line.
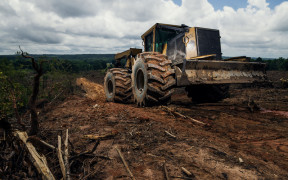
[110, 87]
[140, 80]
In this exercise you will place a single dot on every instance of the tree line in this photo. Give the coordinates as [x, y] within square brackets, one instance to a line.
[71, 63]
[279, 64]
[59, 74]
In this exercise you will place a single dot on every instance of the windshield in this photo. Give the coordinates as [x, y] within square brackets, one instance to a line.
[162, 37]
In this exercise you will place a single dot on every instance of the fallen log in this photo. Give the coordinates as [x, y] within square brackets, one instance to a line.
[37, 160]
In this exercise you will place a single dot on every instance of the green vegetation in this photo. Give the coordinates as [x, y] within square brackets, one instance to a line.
[14, 83]
[280, 64]
[72, 63]
[60, 71]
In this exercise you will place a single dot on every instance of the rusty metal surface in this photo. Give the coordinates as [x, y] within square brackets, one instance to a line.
[239, 58]
[220, 72]
[125, 54]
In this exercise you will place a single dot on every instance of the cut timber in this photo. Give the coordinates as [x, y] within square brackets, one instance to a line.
[125, 164]
[38, 161]
[61, 162]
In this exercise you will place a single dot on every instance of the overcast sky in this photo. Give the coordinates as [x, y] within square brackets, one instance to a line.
[253, 27]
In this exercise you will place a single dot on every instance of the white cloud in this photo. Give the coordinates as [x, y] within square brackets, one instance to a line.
[261, 4]
[101, 26]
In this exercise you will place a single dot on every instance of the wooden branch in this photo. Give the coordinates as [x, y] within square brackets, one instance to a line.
[194, 120]
[166, 172]
[103, 137]
[24, 54]
[61, 163]
[32, 104]
[180, 177]
[79, 155]
[32, 100]
[38, 161]
[9, 156]
[89, 156]
[188, 173]
[66, 156]
[34, 64]
[173, 136]
[95, 147]
[87, 153]
[183, 116]
[125, 164]
[35, 138]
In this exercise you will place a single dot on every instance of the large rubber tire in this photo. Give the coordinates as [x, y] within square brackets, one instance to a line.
[117, 85]
[152, 79]
[207, 93]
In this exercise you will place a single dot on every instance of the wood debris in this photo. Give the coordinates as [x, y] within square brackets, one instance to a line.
[101, 137]
[166, 172]
[60, 158]
[38, 161]
[171, 135]
[35, 139]
[66, 156]
[175, 113]
[125, 164]
[188, 173]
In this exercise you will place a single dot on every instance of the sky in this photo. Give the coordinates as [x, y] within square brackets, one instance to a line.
[255, 28]
[219, 4]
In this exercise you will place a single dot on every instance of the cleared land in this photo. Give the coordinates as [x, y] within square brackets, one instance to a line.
[245, 136]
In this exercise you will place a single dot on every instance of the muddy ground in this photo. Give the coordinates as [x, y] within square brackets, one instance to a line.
[245, 136]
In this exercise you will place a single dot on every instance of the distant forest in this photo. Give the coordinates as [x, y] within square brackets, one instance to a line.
[280, 64]
[59, 74]
[56, 83]
[72, 63]
[85, 62]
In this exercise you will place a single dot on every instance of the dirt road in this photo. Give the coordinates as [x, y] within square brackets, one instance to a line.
[245, 136]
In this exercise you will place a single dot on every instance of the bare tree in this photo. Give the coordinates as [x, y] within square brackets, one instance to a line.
[36, 83]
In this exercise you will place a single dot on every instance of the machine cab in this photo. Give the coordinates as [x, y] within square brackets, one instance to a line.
[182, 42]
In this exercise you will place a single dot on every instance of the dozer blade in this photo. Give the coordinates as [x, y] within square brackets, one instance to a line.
[220, 72]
